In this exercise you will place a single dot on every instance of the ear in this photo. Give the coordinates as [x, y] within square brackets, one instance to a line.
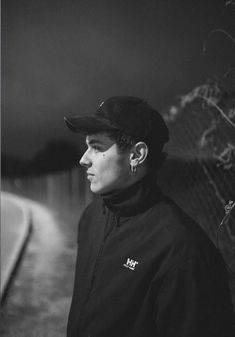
[138, 153]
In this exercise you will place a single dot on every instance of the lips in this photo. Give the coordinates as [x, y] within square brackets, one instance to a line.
[90, 175]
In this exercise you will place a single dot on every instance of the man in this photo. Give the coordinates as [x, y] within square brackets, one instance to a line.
[144, 268]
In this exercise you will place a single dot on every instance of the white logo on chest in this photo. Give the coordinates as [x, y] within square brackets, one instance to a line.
[131, 264]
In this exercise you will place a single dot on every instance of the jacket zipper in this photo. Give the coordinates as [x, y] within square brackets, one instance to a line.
[113, 225]
[114, 222]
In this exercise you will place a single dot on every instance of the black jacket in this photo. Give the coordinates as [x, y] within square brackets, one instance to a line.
[145, 268]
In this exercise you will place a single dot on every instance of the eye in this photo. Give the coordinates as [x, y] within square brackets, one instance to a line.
[96, 148]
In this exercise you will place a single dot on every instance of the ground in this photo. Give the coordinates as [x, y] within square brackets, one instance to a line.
[38, 299]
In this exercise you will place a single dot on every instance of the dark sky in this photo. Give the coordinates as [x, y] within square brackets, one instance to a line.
[62, 57]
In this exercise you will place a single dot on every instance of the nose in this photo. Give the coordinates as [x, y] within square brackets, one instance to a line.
[85, 160]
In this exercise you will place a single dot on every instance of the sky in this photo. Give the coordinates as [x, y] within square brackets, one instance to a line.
[64, 57]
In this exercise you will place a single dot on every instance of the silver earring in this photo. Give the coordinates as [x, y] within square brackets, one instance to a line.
[133, 168]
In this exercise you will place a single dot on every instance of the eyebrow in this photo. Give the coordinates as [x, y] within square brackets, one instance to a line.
[94, 141]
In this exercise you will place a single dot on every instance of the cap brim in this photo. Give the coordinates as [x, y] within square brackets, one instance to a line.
[87, 124]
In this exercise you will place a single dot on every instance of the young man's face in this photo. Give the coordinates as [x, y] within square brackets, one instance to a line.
[107, 169]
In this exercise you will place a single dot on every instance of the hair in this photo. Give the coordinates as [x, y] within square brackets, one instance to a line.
[156, 156]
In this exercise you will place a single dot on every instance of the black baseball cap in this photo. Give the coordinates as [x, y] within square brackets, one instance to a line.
[131, 115]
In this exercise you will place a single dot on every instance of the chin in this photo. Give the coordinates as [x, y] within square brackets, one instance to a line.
[96, 189]
[100, 190]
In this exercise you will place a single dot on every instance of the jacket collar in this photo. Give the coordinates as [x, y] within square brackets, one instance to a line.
[135, 199]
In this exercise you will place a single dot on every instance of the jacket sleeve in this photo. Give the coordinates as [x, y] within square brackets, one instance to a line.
[193, 303]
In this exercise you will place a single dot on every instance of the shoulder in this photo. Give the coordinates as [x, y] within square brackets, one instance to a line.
[181, 236]
[172, 218]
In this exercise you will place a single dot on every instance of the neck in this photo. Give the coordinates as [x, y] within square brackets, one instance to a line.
[135, 198]
[133, 179]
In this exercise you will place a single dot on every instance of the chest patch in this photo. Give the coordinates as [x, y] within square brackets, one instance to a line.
[130, 264]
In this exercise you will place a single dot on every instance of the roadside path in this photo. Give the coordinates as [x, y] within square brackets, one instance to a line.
[15, 227]
[38, 301]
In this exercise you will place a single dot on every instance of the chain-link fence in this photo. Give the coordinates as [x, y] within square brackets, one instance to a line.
[200, 171]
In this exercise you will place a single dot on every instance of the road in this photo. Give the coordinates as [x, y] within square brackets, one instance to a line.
[38, 300]
[14, 230]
